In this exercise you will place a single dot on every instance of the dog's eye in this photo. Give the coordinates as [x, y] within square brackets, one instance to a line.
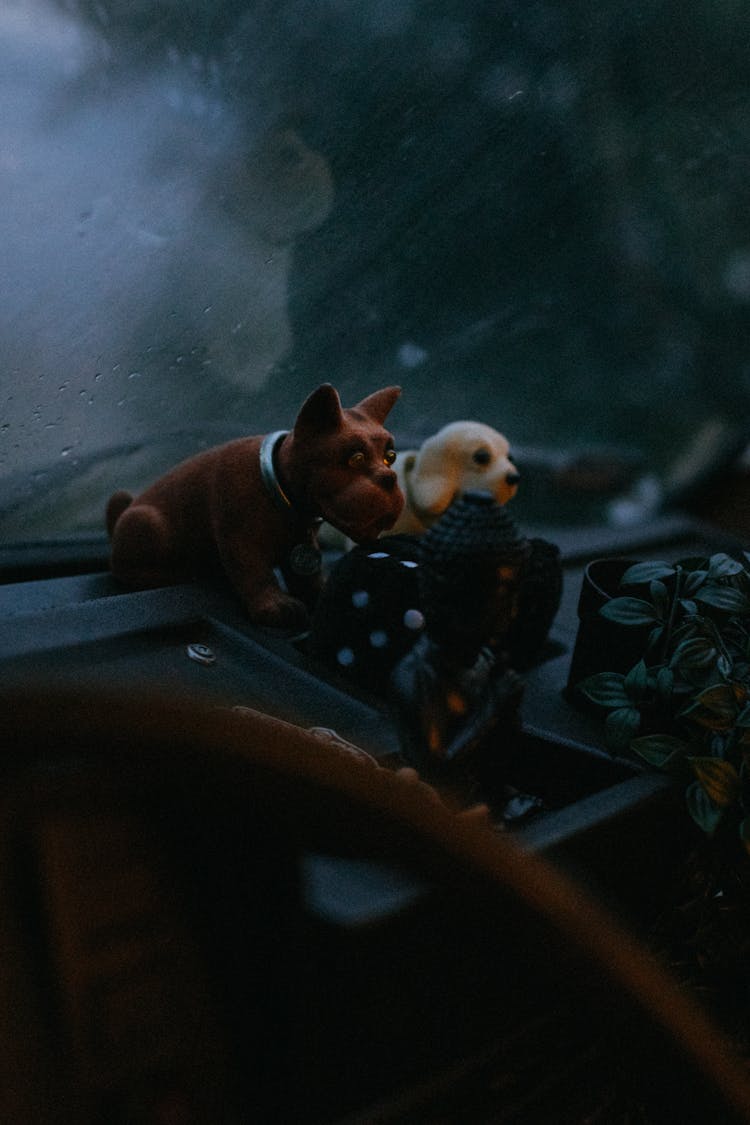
[389, 456]
[511, 458]
[357, 460]
[482, 456]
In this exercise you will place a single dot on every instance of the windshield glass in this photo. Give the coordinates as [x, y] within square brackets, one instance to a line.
[530, 214]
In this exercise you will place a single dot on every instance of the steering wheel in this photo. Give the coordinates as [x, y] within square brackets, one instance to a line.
[166, 957]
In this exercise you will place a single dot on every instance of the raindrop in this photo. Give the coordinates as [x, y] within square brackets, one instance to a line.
[134, 375]
[411, 355]
[409, 564]
[378, 555]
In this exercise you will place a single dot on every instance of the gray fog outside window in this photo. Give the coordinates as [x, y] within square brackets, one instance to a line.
[530, 214]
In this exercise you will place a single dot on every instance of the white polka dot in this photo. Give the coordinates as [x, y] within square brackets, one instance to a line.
[414, 619]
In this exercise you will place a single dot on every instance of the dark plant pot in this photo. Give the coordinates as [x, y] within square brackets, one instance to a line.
[602, 645]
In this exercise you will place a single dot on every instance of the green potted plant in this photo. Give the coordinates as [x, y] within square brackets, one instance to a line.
[683, 703]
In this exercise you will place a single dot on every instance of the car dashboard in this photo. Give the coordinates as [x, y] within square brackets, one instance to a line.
[367, 999]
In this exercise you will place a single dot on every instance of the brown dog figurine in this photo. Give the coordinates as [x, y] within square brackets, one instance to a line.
[254, 504]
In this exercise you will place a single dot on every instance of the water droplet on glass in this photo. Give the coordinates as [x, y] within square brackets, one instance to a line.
[411, 355]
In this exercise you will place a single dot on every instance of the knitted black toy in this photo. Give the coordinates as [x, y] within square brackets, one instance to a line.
[376, 599]
[454, 687]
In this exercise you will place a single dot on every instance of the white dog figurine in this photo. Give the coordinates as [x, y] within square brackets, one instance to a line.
[461, 456]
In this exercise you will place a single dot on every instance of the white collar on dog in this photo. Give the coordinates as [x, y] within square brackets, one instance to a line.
[271, 482]
[268, 470]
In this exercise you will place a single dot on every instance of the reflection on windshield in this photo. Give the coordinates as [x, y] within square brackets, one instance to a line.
[527, 213]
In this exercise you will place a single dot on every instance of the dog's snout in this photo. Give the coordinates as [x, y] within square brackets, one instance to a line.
[388, 480]
[512, 477]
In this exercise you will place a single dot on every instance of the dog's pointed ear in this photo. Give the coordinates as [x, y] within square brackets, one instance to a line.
[320, 412]
[379, 404]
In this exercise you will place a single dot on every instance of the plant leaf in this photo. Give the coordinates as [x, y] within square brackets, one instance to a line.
[702, 809]
[659, 749]
[646, 572]
[606, 689]
[636, 681]
[724, 597]
[693, 582]
[665, 682]
[723, 566]
[655, 636]
[621, 727]
[660, 598]
[629, 611]
[719, 779]
[714, 708]
[695, 652]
